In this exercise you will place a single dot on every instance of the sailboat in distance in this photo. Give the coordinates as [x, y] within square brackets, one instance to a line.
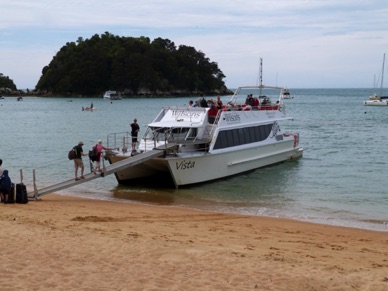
[375, 99]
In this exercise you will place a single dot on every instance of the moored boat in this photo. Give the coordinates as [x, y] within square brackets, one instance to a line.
[112, 95]
[378, 100]
[285, 93]
[200, 147]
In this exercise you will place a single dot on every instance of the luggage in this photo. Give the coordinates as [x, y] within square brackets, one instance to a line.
[21, 193]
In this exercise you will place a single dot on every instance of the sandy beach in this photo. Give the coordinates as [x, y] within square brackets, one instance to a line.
[67, 243]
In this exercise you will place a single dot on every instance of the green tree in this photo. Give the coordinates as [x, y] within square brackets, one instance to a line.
[109, 62]
[6, 82]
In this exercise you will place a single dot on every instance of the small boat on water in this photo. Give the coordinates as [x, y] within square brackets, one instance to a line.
[201, 147]
[285, 93]
[91, 108]
[378, 100]
[112, 95]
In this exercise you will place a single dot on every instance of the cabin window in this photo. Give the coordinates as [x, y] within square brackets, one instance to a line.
[162, 133]
[241, 136]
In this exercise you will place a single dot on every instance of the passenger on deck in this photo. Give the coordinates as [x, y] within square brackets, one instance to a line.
[219, 102]
[212, 113]
[135, 128]
[202, 101]
[191, 103]
[256, 103]
[249, 100]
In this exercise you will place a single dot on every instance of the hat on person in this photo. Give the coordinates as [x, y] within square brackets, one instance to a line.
[81, 143]
[99, 141]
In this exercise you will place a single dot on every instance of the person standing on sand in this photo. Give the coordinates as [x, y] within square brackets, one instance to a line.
[99, 148]
[5, 186]
[134, 131]
[1, 169]
[78, 163]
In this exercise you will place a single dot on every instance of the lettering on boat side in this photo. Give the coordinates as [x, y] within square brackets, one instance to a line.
[184, 165]
[270, 114]
[232, 117]
[185, 113]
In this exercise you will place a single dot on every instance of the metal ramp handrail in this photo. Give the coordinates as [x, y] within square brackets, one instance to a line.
[111, 169]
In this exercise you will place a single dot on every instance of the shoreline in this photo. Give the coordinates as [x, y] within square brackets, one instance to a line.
[68, 242]
[373, 225]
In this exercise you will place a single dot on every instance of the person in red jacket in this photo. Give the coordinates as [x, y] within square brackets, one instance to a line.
[212, 113]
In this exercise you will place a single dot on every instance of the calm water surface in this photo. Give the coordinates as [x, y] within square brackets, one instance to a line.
[341, 179]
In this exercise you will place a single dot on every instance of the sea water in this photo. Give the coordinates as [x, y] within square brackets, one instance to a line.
[340, 180]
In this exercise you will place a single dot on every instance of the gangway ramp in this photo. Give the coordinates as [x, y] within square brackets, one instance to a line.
[111, 169]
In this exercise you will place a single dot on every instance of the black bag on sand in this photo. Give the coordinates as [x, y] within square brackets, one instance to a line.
[21, 193]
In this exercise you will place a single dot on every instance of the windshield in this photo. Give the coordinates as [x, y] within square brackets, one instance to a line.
[166, 133]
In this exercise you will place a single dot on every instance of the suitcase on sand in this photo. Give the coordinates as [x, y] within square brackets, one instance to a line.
[21, 194]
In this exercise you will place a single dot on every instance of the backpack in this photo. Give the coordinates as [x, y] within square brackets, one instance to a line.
[72, 154]
[93, 154]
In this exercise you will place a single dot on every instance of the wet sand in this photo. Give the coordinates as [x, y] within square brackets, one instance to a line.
[68, 243]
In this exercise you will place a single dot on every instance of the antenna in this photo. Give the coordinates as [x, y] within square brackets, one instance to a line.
[261, 77]
[382, 77]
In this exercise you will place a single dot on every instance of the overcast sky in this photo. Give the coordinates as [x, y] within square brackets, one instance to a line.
[303, 43]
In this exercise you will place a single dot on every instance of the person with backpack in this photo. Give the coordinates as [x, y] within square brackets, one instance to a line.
[78, 163]
[5, 186]
[99, 148]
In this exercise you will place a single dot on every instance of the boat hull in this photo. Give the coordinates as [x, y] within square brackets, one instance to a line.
[186, 170]
[376, 103]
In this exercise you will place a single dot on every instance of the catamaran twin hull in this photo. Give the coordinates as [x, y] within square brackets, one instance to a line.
[187, 170]
[201, 144]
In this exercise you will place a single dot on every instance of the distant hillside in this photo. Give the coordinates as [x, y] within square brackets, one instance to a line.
[7, 86]
[133, 66]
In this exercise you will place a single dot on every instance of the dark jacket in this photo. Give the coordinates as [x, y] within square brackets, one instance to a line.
[5, 181]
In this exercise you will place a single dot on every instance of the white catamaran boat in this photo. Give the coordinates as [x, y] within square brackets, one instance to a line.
[112, 95]
[199, 147]
[378, 100]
